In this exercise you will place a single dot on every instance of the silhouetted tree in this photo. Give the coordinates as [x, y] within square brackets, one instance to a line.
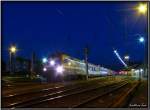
[23, 64]
[38, 66]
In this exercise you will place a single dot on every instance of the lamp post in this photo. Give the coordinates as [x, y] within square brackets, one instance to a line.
[142, 9]
[12, 51]
[126, 58]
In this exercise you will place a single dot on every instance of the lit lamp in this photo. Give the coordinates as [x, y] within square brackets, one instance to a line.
[12, 50]
[126, 57]
[141, 39]
[44, 69]
[59, 69]
[44, 60]
[52, 62]
[142, 8]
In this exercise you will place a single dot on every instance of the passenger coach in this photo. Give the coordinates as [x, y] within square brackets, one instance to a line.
[65, 65]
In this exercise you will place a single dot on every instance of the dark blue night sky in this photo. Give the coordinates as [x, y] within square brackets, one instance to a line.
[46, 27]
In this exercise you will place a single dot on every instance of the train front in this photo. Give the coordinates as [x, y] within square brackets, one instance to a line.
[53, 68]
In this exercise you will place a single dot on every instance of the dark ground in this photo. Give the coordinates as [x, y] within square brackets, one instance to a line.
[140, 98]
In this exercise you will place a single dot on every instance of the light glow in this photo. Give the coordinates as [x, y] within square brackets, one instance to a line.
[59, 69]
[103, 72]
[44, 60]
[132, 69]
[44, 69]
[141, 39]
[52, 62]
[137, 71]
[126, 57]
[141, 70]
[13, 49]
[142, 8]
[118, 56]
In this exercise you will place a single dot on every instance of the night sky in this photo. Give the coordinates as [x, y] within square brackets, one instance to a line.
[47, 27]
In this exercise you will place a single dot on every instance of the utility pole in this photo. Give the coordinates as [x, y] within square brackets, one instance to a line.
[12, 51]
[10, 62]
[86, 61]
[32, 64]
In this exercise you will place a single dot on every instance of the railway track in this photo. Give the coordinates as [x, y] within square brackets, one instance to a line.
[116, 97]
[9, 95]
[12, 95]
[54, 95]
[77, 98]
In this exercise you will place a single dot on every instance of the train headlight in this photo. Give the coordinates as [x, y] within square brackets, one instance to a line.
[59, 69]
[44, 60]
[44, 69]
[52, 62]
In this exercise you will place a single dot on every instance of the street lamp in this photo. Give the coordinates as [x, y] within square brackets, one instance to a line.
[44, 60]
[142, 8]
[12, 50]
[127, 57]
[141, 39]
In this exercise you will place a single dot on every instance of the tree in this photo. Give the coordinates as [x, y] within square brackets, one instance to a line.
[22, 64]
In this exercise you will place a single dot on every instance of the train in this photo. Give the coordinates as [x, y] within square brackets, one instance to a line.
[65, 65]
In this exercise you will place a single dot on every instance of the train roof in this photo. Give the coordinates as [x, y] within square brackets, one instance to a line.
[64, 55]
[78, 60]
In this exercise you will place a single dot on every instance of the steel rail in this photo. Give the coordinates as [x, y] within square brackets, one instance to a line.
[100, 95]
[39, 101]
[47, 89]
[42, 98]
